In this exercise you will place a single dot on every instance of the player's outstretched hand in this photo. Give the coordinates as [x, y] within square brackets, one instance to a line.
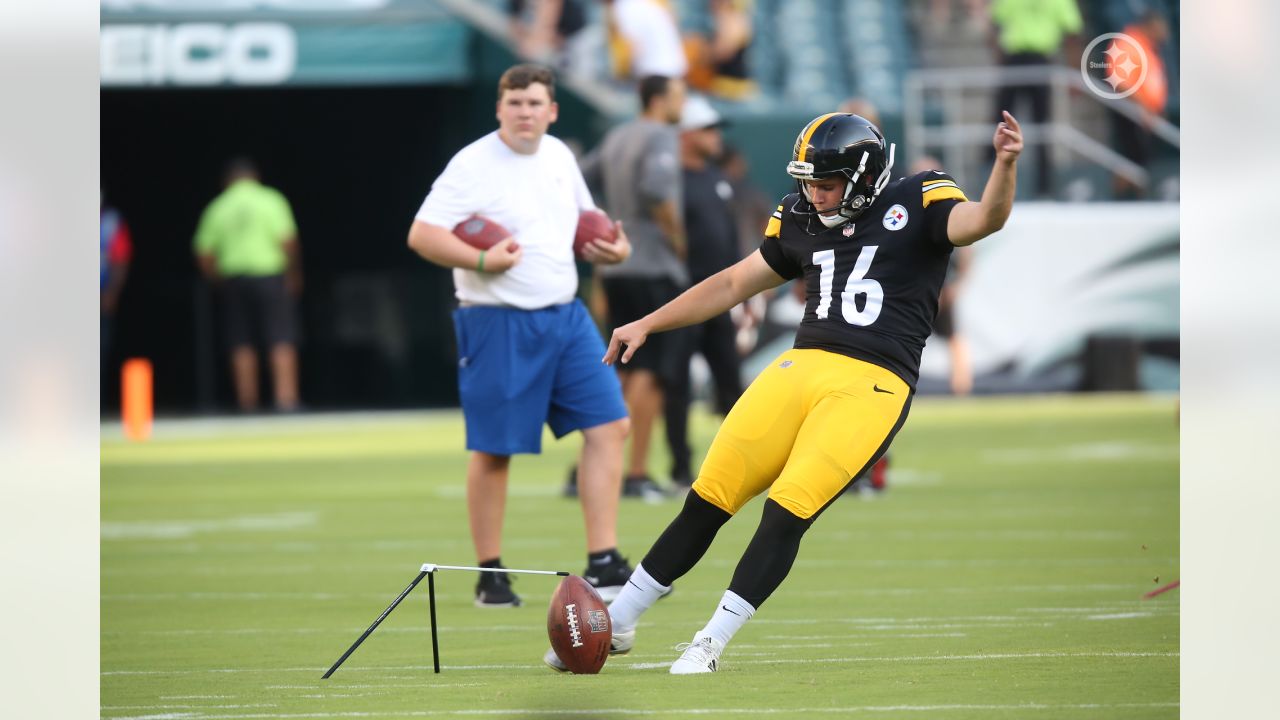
[632, 335]
[602, 252]
[1008, 138]
[503, 256]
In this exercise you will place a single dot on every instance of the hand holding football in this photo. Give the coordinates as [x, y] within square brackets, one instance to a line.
[593, 225]
[480, 232]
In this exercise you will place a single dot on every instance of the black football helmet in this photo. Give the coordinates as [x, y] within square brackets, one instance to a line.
[844, 144]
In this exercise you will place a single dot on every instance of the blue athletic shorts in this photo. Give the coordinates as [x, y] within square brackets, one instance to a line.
[518, 369]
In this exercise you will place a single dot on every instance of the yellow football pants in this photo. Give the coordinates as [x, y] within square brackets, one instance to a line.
[804, 428]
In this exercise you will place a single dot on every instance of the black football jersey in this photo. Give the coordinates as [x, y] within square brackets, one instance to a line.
[871, 286]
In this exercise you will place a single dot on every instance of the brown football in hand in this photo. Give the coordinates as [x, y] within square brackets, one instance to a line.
[579, 627]
[593, 224]
[480, 232]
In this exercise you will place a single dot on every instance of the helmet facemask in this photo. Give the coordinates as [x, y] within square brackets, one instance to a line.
[851, 147]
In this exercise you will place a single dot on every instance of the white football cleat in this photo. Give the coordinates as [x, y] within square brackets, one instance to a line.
[621, 644]
[700, 656]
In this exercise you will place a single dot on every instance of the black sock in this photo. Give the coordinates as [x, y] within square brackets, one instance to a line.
[494, 563]
[604, 557]
[685, 540]
[769, 555]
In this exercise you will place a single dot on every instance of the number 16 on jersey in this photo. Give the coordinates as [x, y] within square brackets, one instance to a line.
[857, 284]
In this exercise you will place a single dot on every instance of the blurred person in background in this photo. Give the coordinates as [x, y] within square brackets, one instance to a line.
[830, 405]
[861, 107]
[543, 29]
[946, 327]
[944, 323]
[751, 210]
[528, 350]
[1032, 33]
[637, 166]
[713, 246]
[247, 247]
[644, 39]
[751, 207]
[972, 14]
[115, 252]
[1133, 139]
[718, 65]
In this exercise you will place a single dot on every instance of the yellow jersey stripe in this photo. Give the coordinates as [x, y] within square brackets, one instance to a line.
[808, 135]
[943, 193]
[774, 228]
[931, 184]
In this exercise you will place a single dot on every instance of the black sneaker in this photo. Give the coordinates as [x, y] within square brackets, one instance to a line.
[494, 590]
[642, 486]
[608, 578]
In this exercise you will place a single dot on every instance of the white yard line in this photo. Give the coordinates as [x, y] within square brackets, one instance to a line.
[1119, 616]
[186, 528]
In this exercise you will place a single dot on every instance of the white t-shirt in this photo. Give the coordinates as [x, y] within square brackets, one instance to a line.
[537, 197]
[651, 31]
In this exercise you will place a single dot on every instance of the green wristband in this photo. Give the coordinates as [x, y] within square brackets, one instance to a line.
[480, 263]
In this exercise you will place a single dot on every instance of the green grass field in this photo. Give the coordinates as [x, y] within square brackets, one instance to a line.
[1000, 576]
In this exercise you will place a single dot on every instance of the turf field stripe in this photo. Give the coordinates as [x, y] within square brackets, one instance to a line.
[538, 712]
[837, 637]
[872, 591]
[883, 626]
[190, 707]
[540, 668]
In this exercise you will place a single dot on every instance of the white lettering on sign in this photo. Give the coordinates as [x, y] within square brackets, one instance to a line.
[197, 54]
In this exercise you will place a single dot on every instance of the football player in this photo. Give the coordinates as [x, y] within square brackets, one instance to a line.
[872, 254]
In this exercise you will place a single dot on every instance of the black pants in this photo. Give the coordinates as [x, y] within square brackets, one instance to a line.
[1037, 94]
[715, 339]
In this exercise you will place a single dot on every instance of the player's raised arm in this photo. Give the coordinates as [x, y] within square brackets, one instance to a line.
[969, 222]
[701, 302]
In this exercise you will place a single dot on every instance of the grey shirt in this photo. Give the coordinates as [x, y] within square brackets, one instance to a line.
[636, 167]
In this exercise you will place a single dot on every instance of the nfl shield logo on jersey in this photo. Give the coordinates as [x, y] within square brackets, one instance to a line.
[848, 230]
[895, 218]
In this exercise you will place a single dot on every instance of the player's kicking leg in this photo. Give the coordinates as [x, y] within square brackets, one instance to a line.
[761, 570]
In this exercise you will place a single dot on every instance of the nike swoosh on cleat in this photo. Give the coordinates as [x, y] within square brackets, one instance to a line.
[722, 607]
[592, 580]
[877, 388]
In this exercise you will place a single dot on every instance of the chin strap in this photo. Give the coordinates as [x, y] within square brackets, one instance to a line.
[884, 174]
[880, 184]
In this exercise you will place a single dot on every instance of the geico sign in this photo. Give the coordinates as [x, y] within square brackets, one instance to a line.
[197, 54]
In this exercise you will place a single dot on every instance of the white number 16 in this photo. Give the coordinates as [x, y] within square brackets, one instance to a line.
[857, 284]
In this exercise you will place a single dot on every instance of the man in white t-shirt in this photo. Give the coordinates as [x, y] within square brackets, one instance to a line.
[528, 351]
